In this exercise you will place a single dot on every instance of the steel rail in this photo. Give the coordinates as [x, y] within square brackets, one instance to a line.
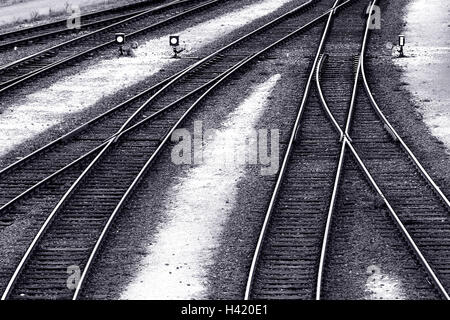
[166, 139]
[292, 140]
[47, 179]
[397, 137]
[34, 55]
[322, 59]
[7, 85]
[114, 136]
[113, 141]
[394, 215]
[341, 161]
[398, 222]
[165, 84]
[329, 219]
[63, 22]
[53, 33]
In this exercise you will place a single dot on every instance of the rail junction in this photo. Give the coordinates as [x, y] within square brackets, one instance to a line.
[84, 178]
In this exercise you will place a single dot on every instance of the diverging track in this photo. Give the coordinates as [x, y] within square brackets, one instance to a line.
[73, 232]
[62, 154]
[68, 52]
[91, 21]
[298, 236]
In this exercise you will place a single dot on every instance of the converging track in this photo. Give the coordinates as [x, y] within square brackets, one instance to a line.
[344, 163]
[74, 230]
[298, 237]
[409, 205]
[68, 52]
[78, 145]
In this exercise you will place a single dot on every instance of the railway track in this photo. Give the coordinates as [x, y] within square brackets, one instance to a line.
[284, 261]
[91, 21]
[291, 256]
[74, 230]
[73, 233]
[49, 162]
[68, 52]
[369, 202]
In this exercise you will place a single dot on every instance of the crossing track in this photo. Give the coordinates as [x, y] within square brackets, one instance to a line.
[68, 52]
[415, 203]
[291, 253]
[69, 151]
[352, 172]
[73, 232]
[91, 21]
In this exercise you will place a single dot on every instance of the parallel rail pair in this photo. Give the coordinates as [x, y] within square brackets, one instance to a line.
[68, 52]
[129, 137]
[266, 277]
[90, 21]
[76, 227]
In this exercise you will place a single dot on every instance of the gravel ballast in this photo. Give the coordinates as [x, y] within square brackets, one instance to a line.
[127, 251]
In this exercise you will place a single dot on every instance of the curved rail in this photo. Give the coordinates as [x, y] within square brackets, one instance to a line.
[166, 139]
[347, 142]
[112, 141]
[63, 22]
[292, 140]
[400, 140]
[135, 8]
[345, 135]
[7, 85]
[165, 85]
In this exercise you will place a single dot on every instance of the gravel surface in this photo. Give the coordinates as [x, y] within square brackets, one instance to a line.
[427, 64]
[134, 230]
[74, 119]
[33, 12]
[397, 102]
[14, 232]
[73, 95]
